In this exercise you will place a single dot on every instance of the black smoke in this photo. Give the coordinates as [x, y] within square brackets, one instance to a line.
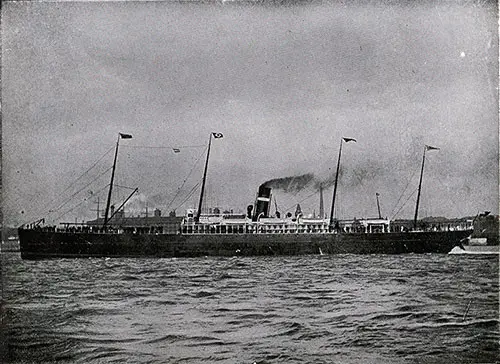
[295, 184]
[327, 181]
[292, 184]
[356, 176]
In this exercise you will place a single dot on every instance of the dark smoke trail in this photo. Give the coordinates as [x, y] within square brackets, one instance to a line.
[291, 184]
[328, 181]
[295, 184]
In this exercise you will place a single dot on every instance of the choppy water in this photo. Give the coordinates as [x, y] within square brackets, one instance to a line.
[310, 309]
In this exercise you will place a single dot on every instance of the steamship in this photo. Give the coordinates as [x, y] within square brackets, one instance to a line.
[255, 233]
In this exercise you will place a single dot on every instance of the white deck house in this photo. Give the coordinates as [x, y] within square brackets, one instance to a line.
[227, 224]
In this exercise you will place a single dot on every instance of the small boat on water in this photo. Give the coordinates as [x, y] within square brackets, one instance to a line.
[475, 250]
[10, 245]
[253, 234]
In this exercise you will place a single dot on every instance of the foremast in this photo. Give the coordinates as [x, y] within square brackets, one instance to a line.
[108, 202]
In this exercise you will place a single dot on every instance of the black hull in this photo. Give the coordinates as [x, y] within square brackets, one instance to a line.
[38, 244]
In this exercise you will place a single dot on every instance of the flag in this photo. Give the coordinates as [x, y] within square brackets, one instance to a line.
[217, 135]
[176, 150]
[349, 140]
[125, 136]
[428, 147]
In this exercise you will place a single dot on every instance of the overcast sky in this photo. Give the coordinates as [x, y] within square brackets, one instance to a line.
[283, 83]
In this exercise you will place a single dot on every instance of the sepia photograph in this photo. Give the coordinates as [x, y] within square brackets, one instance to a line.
[250, 181]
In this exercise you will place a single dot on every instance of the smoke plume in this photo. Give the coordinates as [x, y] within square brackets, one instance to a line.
[353, 177]
[293, 184]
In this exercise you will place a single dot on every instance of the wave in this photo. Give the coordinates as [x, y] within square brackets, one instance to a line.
[279, 309]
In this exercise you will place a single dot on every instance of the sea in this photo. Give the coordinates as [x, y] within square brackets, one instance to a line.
[430, 308]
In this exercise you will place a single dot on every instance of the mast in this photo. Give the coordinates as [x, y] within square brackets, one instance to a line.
[198, 213]
[124, 136]
[337, 176]
[321, 207]
[335, 185]
[216, 136]
[378, 206]
[123, 203]
[426, 148]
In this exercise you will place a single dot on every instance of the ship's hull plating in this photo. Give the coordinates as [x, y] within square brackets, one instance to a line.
[37, 244]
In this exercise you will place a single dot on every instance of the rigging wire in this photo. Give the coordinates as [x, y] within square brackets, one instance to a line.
[404, 204]
[76, 180]
[126, 187]
[402, 194]
[305, 198]
[72, 184]
[80, 190]
[184, 182]
[193, 190]
[85, 199]
[163, 147]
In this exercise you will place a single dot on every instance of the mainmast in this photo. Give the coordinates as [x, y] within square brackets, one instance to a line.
[120, 136]
[337, 176]
[321, 206]
[378, 206]
[426, 148]
[216, 136]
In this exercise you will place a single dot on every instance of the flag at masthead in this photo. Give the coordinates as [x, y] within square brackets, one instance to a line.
[428, 147]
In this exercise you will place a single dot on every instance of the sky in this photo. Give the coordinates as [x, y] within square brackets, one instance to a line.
[283, 81]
